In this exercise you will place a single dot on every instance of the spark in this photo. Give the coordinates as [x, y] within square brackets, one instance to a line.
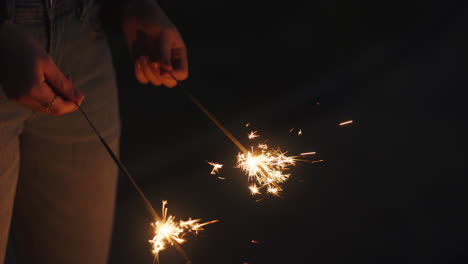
[169, 232]
[247, 125]
[291, 130]
[253, 135]
[265, 169]
[254, 189]
[254, 241]
[216, 167]
[299, 132]
[346, 123]
[308, 153]
[221, 178]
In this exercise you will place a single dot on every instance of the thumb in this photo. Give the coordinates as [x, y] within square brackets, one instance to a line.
[60, 83]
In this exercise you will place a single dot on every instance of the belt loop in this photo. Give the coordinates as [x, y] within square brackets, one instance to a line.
[10, 10]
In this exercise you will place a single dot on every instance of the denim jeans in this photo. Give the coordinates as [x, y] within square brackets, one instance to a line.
[57, 182]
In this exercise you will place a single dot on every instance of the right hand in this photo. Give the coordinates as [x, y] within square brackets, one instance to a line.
[30, 77]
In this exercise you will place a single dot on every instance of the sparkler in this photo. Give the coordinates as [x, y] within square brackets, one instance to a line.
[265, 168]
[166, 231]
[169, 232]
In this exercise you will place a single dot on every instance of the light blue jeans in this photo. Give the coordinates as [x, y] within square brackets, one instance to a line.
[57, 182]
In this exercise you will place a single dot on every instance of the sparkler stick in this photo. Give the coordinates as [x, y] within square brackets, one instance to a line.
[148, 204]
[225, 131]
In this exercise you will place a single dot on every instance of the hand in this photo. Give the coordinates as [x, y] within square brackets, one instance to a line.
[154, 43]
[30, 77]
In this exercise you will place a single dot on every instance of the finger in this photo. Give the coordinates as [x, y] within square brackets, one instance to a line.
[180, 64]
[59, 106]
[150, 71]
[139, 75]
[43, 95]
[59, 83]
[77, 93]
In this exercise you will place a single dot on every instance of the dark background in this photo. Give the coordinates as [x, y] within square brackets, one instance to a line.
[392, 186]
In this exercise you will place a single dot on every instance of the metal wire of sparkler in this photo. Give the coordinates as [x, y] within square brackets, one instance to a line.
[121, 166]
[135, 185]
[207, 113]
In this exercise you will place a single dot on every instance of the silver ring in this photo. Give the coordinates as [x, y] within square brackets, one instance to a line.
[50, 104]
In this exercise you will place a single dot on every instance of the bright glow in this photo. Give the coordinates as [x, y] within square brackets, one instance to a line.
[168, 232]
[265, 169]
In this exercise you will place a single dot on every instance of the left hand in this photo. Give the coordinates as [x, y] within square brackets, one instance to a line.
[155, 44]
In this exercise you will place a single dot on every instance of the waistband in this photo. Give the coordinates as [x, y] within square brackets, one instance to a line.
[25, 10]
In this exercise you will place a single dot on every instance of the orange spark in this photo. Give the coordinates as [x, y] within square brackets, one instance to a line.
[346, 123]
[253, 135]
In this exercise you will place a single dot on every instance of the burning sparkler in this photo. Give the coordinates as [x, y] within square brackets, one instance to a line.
[167, 231]
[170, 232]
[265, 168]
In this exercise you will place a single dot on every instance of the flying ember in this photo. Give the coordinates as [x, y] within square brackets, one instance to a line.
[216, 167]
[253, 135]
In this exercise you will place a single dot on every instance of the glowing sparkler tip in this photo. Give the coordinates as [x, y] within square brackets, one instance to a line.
[169, 232]
[265, 169]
